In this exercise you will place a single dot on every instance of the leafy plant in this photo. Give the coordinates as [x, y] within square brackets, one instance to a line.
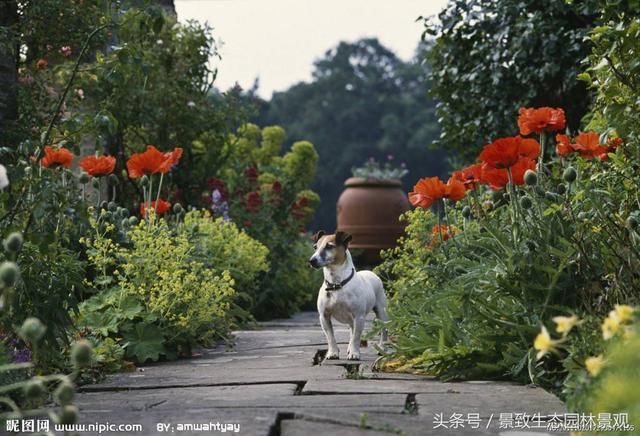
[372, 170]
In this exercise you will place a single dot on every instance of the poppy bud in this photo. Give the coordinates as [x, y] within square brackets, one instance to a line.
[81, 353]
[9, 273]
[64, 393]
[123, 212]
[104, 205]
[530, 178]
[112, 206]
[69, 415]
[632, 222]
[32, 330]
[570, 175]
[144, 181]
[466, 212]
[113, 180]
[177, 208]
[13, 242]
[34, 389]
[526, 202]
[124, 223]
[551, 196]
[84, 178]
[561, 189]
[133, 220]
[95, 182]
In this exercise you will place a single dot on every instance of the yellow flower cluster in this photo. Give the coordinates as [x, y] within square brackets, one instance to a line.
[185, 292]
[617, 321]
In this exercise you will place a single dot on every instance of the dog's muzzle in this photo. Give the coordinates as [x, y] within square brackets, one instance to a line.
[314, 262]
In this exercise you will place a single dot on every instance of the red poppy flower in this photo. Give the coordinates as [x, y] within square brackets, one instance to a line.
[161, 208]
[498, 178]
[469, 176]
[427, 191]
[251, 174]
[446, 231]
[613, 144]
[56, 157]
[152, 161]
[505, 152]
[171, 159]
[254, 201]
[42, 64]
[538, 120]
[97, 166]
[588, 145]
[564, 147]
[454, 190]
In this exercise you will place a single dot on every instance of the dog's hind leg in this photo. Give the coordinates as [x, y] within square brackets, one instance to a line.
[381, 314]
[327, 328]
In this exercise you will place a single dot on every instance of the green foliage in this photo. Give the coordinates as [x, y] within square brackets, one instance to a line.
[222, 246]
[165, 298]
[614, 72]
[363, 101]
[491, 57]
[470, 306]
[267, 195]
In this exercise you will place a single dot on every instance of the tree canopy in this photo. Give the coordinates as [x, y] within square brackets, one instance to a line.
[363, 102]
[491, 57]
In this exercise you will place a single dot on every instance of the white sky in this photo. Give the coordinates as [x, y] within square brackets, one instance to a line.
[278, 40]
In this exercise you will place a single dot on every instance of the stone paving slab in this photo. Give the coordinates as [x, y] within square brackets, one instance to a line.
[268, 383]
[276, 397]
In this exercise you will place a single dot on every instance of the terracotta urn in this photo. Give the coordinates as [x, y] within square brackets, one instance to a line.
[370, 209]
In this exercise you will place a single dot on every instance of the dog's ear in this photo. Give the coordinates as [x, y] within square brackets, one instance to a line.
[343, 238]
[319, 234]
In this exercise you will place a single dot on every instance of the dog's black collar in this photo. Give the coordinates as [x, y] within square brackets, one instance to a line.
[337, 286]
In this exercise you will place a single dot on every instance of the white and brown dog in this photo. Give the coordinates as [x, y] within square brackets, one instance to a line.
[346, 295]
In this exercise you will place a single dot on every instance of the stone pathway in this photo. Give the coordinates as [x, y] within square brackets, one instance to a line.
[271, 384]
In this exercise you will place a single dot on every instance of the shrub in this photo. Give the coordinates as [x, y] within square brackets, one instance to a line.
[468, 297]
[266, 194]
[172, 288]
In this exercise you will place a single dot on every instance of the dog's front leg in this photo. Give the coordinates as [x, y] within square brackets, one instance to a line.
[356, 333]
[327, 328]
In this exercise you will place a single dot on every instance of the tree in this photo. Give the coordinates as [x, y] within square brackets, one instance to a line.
[8, 63]
[491, 57]
[363, 102]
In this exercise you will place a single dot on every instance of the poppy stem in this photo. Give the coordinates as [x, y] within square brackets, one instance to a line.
[541, 157]
[159, 188]
[514, 207]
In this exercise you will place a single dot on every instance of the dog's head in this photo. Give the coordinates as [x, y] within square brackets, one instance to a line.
[330, 249]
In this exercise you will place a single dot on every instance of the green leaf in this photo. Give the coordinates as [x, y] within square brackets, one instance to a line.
[144, 342]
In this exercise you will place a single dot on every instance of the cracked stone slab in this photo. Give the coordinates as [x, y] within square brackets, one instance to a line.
[492, 401]
[182, 398]
[417, 425]
[167, 376]
[279, 397]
